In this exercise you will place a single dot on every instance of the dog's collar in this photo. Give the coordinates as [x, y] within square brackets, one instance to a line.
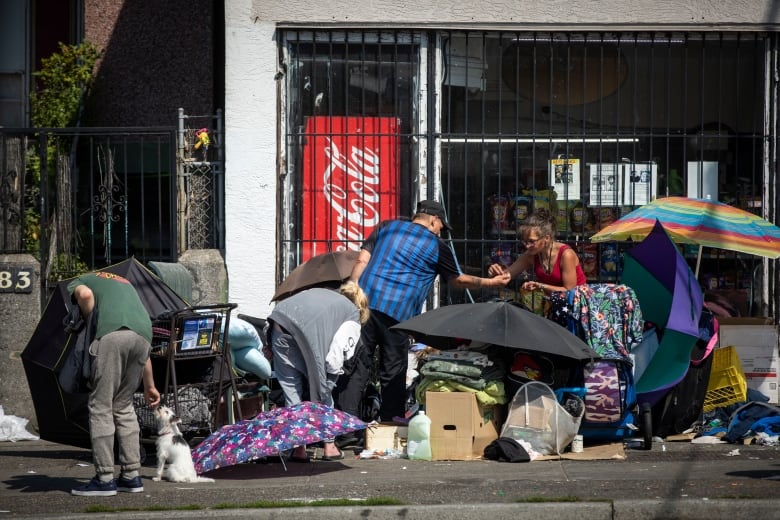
[166, 431]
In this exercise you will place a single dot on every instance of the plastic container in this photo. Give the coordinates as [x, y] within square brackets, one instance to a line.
[418, 446]
[727, 384]
[576, 444]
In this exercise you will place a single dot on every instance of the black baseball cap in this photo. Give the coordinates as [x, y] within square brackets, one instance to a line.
[431, 207]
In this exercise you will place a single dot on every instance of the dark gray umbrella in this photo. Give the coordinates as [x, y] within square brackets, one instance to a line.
[499, 323]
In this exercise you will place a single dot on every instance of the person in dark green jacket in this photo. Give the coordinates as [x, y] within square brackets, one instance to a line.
[120, 361]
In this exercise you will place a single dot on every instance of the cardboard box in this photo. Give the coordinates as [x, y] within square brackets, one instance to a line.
[460, 427]
[382, 437]
[756, 341]
[250, 407]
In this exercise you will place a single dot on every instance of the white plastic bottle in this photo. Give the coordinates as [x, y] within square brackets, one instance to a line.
[418, 446]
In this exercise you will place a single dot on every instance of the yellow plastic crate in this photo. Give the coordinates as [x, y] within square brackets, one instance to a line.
[727, 384]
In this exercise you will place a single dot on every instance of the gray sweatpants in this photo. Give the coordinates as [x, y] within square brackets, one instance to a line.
[117, 370]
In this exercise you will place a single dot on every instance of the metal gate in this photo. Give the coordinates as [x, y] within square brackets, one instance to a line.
[86, 198]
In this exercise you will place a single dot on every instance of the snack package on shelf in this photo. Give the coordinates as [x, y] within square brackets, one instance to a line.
[579, 218]
[589, 256]
[522, 210]
[602, 217]
[609, 260]
[500, 207]
[563, 213]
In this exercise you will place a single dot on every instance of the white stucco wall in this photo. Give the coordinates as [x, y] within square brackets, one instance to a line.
[250, 159]
[536, 14]
[251, 118]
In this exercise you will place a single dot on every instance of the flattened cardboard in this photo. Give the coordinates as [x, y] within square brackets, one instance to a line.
[460, 427]
[382, 437]
[610, 451]
[747, 321]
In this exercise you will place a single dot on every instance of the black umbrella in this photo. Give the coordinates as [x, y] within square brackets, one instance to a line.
[499, 323]
[62, 415]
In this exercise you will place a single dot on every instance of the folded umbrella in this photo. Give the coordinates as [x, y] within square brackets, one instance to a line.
[671, 298]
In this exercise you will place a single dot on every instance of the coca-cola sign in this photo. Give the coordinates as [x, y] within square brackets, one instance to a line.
[350, 180]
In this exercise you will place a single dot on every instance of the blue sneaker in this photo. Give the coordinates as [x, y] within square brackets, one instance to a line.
[130, 485]
[95, 488]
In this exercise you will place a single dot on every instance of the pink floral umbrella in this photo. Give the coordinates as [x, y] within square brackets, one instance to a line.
[272, 433]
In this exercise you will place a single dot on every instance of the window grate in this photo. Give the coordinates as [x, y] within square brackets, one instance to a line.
[622, 117]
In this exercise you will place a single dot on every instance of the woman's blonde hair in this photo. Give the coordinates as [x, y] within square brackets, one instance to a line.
[356, 295]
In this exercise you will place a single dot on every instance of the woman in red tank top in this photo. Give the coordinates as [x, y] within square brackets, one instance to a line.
[555, 265]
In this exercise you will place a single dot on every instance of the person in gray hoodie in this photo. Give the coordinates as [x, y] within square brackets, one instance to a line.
[312, 333]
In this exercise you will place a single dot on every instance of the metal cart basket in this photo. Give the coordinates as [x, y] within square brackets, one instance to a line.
[191, 356]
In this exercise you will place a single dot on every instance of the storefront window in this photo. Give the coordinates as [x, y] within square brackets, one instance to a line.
[589, 125]
[607, 121]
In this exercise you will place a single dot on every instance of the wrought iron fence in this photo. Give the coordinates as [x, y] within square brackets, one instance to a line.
[201, 181]
[83, 198]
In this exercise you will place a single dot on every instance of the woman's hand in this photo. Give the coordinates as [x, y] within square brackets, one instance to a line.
[497, 269]
[533, 286]
[502, 279]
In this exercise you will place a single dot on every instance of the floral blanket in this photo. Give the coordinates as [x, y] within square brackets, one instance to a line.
[609, 318]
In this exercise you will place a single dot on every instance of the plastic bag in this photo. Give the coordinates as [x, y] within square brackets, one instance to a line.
[535, 416]
[13, 428]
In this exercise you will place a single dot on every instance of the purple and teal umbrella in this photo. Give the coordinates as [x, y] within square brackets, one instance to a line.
[271, 434]
[671, 298]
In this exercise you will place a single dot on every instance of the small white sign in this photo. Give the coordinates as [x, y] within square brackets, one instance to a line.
[622, 184]
[565, 178]
[640, 182]
[604, 184]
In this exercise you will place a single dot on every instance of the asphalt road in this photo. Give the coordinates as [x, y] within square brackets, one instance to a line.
[673, 480]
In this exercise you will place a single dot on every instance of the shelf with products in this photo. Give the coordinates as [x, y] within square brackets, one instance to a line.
[586, 198]
[577, 222]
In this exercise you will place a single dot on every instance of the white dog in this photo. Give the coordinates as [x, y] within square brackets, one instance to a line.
[173, 449]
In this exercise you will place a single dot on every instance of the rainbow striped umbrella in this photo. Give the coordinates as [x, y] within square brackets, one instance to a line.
[706, 223]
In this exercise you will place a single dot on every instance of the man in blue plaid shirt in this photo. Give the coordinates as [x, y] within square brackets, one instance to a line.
[396, 268]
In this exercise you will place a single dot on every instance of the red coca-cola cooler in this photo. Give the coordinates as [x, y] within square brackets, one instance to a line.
[350, 180]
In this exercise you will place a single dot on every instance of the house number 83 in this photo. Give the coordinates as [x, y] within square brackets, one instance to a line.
[15, 279]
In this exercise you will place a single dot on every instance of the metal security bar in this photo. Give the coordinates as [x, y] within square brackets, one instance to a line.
[351, 138]
[588, 125]
[609, 122]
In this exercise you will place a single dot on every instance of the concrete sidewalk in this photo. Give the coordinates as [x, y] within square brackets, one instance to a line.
[673, 480]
